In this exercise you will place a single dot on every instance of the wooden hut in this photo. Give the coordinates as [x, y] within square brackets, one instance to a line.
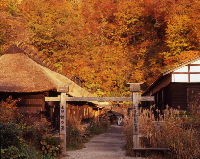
[177, 87]
[22, 76]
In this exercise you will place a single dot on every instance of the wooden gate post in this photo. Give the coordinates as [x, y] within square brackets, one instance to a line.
[98, 114]
[63, 121]
[136, 97]
[63, 89]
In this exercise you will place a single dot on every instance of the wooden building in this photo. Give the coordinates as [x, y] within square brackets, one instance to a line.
[24, 77]
[177, 87]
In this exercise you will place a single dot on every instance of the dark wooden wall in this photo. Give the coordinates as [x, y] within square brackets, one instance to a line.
[173, 95]
[178, 95]
[34, 103]
[29, 102]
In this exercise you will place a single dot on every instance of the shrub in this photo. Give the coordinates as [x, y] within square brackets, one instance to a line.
[98, 127]
[50, 146]
[128, 132]
[8, 110]
[174, 130]
[74, 139]
[12, 143]
[22, 137]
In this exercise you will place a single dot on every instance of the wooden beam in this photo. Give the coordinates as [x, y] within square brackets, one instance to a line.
[147, 98]
[100, 99]
[55, 99]
[103, 99]
[186, 73]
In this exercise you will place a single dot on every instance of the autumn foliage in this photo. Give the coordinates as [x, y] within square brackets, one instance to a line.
[107, 43]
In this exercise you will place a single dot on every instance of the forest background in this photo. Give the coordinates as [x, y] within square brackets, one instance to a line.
[107, 43]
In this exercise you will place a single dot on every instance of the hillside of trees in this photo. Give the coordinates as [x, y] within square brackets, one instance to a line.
[106, 43]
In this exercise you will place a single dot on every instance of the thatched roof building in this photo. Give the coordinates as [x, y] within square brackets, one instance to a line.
[21, 73]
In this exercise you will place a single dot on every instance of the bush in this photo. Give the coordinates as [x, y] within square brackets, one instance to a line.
[128, 132]
[50, 146]
[74, 139]
[174, 130]
[98, 127]
[8, 110]
[9, 135]
[22, 137]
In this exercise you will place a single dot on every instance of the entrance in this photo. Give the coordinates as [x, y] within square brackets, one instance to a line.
[136, 98]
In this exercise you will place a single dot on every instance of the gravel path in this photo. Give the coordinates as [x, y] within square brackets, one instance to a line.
[105, 146]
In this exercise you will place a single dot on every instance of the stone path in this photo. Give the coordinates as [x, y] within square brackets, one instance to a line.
[105, 146]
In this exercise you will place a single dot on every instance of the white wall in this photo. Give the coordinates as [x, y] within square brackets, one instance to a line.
[184, 77]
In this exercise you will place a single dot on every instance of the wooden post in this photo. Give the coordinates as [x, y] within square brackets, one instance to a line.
[63, 89]
[63, 121]
[98, 114]
[136, 100]
[136, 97]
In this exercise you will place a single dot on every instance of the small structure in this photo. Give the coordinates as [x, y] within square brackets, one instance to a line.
[22, 76]
[115, 117]
[177, 87]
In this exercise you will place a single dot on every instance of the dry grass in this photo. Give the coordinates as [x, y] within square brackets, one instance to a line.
[174, 130]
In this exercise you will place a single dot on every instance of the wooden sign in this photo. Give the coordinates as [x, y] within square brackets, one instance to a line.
[63, 114]
[62, 99]
[136, 100]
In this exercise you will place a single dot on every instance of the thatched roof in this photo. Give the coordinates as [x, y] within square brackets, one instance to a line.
[21, 73]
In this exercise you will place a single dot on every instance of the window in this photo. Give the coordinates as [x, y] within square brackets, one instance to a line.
[194, 68]
[179, 77]
[194, 77]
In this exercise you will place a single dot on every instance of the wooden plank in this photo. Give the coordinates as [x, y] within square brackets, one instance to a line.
[147, 98]
[100, 99]
[32, 101]
[186, 72]
[103, 99]
[31, 105]
[63, 121]
[194, 65]
[55, 99]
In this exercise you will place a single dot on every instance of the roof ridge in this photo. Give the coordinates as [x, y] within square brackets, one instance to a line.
[180, 65]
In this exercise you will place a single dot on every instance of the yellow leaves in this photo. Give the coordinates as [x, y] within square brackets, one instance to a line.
[181, 32]
[106, 41]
